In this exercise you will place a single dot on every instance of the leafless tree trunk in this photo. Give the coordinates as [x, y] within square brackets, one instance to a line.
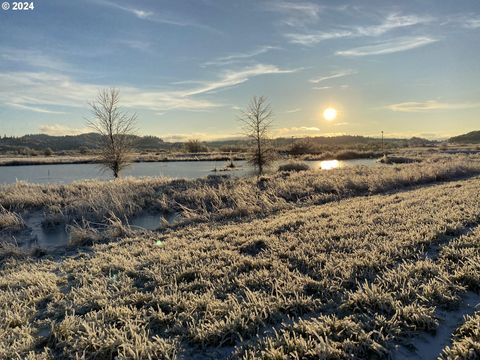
[116, 128]
[257, 120]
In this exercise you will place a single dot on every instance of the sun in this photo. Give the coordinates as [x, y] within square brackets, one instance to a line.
[330, 114]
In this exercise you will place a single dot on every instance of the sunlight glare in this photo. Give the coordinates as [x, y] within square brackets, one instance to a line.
[330, 114]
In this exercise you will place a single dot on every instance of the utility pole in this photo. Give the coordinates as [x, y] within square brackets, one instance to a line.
[383, 149]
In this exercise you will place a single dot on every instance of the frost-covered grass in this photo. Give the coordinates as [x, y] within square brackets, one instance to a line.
[340, 280]
[10, 221]
[466, 340]
[294, 166]
[218, 198]
[6, 160]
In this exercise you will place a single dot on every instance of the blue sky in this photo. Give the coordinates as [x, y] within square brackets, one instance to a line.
[186, 66]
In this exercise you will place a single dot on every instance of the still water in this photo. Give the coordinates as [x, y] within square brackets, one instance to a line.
[67, 173]
[57, 236]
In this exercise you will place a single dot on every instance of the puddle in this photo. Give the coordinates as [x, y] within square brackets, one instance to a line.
[431, 346]
[57, 237]
[149, 221]
[46, 238]
[44, 331]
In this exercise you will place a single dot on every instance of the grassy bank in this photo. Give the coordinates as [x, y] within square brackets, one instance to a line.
[220, 198]
[92, 159]
[342, 280]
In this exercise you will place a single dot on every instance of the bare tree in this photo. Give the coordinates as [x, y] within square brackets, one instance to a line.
[116, 127]
[257, 121]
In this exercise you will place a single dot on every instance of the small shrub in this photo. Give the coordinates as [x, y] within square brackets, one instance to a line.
[303, 148]
[195, 146]
[294, 166]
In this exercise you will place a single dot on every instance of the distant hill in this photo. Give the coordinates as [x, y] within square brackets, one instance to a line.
[472, 137]
[345, 140]
[73, 142]
[341, 140]
[92, 141]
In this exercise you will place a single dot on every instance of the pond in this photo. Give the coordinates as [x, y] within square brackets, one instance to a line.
[67, 173]
[57, 236]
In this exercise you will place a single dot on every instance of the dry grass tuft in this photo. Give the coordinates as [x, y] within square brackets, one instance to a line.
[10, 221]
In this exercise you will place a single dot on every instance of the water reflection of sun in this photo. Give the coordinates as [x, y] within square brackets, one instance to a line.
[329, 164]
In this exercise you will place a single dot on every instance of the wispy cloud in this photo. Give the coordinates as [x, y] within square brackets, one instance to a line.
[472, 23]
[34, 108]
[307, 9]
[235, 58]
[292, 111]
[44, 92]
[150, 15]
[335, 75]
[142, 14]
[32, 58]
[321, 87]
[61, 130]
[316, 37]
[391, 22]
[389, 47]
[137, 12]
[296, 131]
[297, 13]
[135, 44]
[430, 105]
[232, 78]
[465, 21]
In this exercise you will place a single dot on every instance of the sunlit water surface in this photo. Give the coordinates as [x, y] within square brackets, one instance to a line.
[67, 173]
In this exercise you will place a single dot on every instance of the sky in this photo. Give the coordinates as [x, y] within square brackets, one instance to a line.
[186, 67]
